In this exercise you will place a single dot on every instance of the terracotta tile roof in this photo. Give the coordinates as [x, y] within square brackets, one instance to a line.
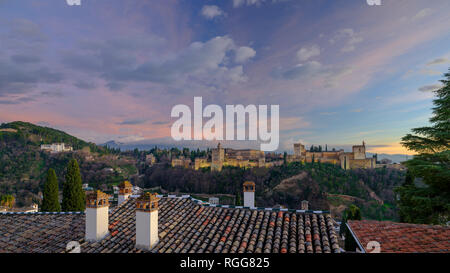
[401, 237]
[184, 227]
[41, 233]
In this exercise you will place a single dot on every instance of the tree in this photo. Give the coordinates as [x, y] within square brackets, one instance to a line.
[351, 213]
[238, 199]
[50, 201]
[8, 201]
[429, 204]
[73, 195]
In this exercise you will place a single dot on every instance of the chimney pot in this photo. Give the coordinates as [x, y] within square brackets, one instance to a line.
[97, 205]
[305, 205]
[125, 191]
[249, 194]
[147, 221]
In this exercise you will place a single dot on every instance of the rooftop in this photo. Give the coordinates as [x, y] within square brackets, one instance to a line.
[185, 226]
[401, 237]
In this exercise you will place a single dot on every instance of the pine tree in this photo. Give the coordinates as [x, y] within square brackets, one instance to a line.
[73, 194]
[50, 201]
[429, 204]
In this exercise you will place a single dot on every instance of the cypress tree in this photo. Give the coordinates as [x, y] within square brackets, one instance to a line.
[50, 201]
[73, 195]
[429, 204]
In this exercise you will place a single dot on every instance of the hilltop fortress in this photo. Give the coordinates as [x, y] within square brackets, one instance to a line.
[347, 160]
[249, 158]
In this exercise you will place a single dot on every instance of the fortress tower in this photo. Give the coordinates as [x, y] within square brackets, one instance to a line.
[217, 158]
[299, 150]
[359, 151]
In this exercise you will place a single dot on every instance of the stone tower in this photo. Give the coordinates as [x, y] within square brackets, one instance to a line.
[217, 158]
[299, 150]
[359, 151]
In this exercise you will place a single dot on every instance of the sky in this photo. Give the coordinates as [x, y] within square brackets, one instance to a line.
[341, 71]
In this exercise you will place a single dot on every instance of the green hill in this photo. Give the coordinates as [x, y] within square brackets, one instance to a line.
[325, 186]
[23, 164]
[34, 135]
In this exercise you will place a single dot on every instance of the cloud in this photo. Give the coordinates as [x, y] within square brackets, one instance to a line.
[291, 123]
[439, 61]
[430, 88]
[24, 29]
[306, 53]
[201, 63]
[85, 85]
[25, 59]
[244, 53]
[21, 70]
[133, 122]
[430, 72]
[211, 11]
[328, 113]
[422, 14]
[22, 78]
[17, 101]
[240, 3]
[348, 37]
[300, 70]
[56, 93]
[160, 122]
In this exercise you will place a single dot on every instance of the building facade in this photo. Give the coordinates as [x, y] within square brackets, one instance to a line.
[347, 160]
[56, 148]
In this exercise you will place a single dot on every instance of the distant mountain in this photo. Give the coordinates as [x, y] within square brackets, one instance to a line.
[396, 158]
[168, 142]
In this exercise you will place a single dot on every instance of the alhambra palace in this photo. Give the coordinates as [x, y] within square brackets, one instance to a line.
[249, 158]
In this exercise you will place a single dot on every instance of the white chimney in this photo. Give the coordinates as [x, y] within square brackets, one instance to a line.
[249, 194]
[125, 191]
[97, 205]
[147, 221]
[304, 205]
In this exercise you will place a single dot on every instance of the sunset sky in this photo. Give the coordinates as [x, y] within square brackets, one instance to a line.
[342, 71]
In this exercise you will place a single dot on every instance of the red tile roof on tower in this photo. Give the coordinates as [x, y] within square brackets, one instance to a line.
[401, 237]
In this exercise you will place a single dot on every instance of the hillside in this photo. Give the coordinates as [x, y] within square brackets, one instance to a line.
[325, 186]
[23, 165]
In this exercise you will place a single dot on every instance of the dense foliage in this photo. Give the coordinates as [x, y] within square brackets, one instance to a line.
[23, 166]
[50, 201]
[74, 198]
[351, 213]
[7, 200]
[323, 185]
[429, 203]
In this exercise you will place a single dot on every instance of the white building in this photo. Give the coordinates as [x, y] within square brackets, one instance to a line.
[214, 200]
[56, 148]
